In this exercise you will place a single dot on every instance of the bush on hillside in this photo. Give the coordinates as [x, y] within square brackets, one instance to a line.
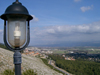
[11, 72]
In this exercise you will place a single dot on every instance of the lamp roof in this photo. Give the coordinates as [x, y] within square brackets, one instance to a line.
[16, 9]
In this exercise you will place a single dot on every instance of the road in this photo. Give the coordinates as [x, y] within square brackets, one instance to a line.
[63, 71]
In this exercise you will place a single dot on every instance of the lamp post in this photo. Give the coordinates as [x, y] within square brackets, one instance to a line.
[16, 31]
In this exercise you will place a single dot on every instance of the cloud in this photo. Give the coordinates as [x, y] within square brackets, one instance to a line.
[35, 18]
[83, 9]
[77, 0]
[65, 34]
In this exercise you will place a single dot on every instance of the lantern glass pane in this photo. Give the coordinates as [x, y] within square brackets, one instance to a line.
[16, 32]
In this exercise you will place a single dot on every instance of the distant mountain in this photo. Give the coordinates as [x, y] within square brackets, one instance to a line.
[70, 44]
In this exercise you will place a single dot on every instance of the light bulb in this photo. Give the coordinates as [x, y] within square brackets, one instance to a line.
[17, 34]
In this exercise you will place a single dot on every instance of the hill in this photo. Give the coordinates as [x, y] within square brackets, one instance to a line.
[28, 62]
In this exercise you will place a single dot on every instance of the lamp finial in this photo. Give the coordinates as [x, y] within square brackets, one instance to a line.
[17, 1]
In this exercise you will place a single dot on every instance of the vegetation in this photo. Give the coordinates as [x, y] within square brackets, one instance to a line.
[60, 51]
[8, 72]
[27, 72]
[46, 62]
[3, 46]
[84, 56]
[77, 67]
[1, 63]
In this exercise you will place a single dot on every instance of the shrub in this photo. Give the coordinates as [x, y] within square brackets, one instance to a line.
[29, 72]
[8, 72]
[1, 63]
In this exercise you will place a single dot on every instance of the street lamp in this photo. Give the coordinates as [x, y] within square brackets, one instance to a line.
[16, 31]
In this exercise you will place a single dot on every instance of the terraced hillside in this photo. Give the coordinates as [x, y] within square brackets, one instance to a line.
[28, 62]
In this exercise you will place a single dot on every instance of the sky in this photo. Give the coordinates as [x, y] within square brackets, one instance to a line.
[61, 23]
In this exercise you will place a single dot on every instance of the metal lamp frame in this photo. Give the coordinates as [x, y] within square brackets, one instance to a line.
[23, 47]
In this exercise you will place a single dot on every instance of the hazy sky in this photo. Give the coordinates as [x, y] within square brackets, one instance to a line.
[61, 22]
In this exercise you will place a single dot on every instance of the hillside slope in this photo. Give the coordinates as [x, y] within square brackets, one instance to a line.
[28, 62]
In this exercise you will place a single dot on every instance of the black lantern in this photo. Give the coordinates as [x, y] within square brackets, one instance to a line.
[16, 31]
[16, 26]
